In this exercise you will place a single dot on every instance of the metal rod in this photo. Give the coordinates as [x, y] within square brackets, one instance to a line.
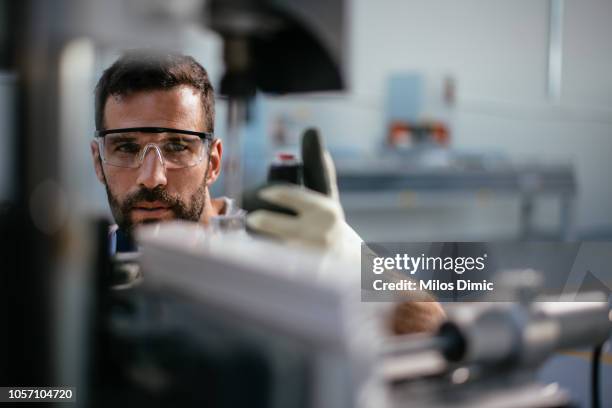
[414, 343]
[232, 161]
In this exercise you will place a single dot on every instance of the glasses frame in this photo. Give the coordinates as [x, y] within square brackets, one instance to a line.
[99, 136]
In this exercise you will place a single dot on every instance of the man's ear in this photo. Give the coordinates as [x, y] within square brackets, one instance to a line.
[97, 162]
[214, 163]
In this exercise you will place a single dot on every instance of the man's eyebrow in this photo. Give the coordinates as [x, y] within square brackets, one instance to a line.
[122, 137]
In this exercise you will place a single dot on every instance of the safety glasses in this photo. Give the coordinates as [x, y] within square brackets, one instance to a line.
[176, 148]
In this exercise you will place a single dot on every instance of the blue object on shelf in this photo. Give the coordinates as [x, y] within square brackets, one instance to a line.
[404, 97]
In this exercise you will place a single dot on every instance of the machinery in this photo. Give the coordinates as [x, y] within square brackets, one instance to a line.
[487, 355]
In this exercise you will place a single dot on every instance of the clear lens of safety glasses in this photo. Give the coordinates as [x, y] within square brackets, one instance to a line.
[174, 150]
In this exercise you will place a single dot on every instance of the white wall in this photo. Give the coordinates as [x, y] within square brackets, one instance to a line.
[497, 51]
[588, 53]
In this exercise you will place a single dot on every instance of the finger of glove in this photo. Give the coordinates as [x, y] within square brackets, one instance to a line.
[329, 170]
[315, 175]
[273, 223]
[298, 199]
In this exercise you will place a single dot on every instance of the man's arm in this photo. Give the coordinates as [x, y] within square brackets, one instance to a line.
[417, 317]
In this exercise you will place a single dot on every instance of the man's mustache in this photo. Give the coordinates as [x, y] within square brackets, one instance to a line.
[146, 194]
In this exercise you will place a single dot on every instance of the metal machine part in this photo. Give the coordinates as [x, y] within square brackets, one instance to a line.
[311, 172]
[277, 47]
[280, 46]
[486, 355]
[523, 336]
[232, 160]
[286, 168]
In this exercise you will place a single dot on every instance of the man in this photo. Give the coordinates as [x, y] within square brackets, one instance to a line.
[152, 176]
[156, 155]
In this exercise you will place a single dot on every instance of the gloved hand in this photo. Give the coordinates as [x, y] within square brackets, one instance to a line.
[319, 221]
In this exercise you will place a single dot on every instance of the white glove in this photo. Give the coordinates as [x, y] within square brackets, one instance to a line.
[319, 221]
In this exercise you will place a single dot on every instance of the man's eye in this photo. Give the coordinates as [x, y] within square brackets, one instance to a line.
[128, 148]
[175, 147]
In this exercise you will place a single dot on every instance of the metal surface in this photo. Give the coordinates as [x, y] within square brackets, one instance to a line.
[499, 390]
[529, 182]
[383, 176]
[492, 353]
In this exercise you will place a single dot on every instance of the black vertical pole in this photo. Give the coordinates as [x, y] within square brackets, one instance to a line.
[28, 247]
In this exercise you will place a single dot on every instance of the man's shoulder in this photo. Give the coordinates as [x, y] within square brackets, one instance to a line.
[228, 208]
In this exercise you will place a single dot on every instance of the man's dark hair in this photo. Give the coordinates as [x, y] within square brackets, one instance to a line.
[145, 70]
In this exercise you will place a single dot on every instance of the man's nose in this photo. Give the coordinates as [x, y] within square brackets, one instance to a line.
[152, 172]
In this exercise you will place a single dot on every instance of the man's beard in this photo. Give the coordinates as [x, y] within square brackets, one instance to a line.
[191, 211]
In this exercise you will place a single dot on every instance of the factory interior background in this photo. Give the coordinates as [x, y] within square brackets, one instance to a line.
[481, 69]
[510, 88]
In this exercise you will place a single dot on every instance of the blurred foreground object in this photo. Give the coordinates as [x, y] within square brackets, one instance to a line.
[216, 313]
[287, 327]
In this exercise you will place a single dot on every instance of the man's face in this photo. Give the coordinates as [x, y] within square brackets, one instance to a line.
[153, 193]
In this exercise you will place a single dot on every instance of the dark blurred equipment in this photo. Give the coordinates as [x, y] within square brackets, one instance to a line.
[286, 168]
[596, 376]
[27, 248]
[278, 47]
[160, 352]
[309, 171]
